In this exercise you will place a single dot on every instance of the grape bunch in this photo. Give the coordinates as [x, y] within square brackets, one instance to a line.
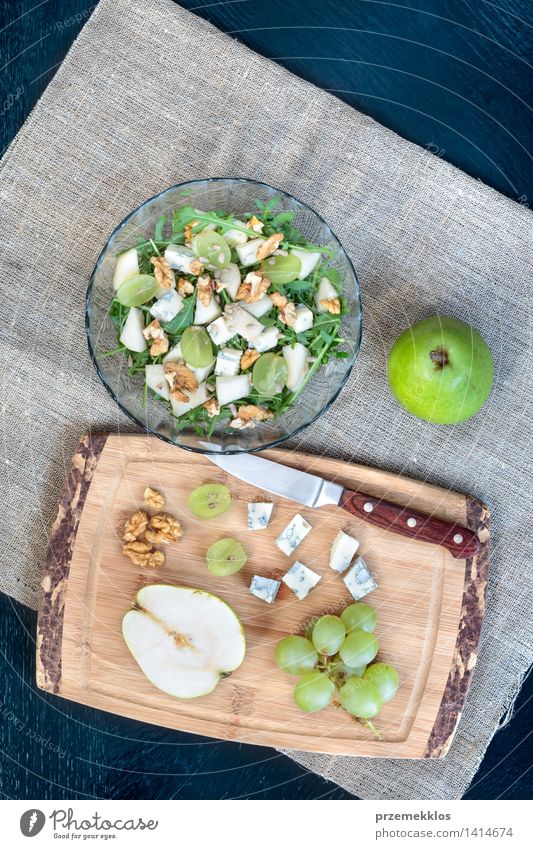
[334, 662]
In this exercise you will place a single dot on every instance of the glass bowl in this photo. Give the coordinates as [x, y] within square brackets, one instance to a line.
[238, 196]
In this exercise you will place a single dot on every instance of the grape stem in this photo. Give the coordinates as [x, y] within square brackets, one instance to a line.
[367, 723]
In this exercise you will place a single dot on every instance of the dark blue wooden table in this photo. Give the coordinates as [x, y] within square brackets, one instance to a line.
[451, 75]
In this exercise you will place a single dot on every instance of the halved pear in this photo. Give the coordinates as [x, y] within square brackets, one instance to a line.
[183, 639]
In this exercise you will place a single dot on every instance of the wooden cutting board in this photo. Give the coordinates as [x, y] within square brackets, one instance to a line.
[430, 606]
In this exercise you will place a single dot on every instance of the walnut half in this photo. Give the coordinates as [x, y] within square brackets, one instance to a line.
[163, 272]
[269, 246]
[153, 499]
[248, 415]
[162, 529]
[181, 380]
[213, 407]
[185, 287]
[278, 299]
[253, 287]
[288, 314]
[142, 554]
[188, 231]
[159, 338]
[196, 267]
[255, 224]
[248, 358]
[204, 287]
[332, 305]
[135, 526]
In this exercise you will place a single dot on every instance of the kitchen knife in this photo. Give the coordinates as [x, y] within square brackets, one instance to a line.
[313, 491]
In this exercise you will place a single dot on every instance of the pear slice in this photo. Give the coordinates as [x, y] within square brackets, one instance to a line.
[183, 639]
[127, 266]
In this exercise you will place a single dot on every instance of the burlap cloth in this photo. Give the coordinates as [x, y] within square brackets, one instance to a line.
[151, 95]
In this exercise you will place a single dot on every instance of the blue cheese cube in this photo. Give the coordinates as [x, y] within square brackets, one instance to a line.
[342, 551]
[241, 322]
[300, 579]
[359, 580]
[219, 331]
[259, 513]
[264, 588]
[180, 258]
[228, 362]
[294, 533]
[266, 340]
[167, 307]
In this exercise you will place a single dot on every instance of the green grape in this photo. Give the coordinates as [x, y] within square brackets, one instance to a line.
[296, 655]
[385, 678]
[359, 615]
[360, 698]
[225, 557]
[211, 248]
[359, 648]
[209, 500]
[137, 290]
[196, 347]
[269, 374]
[358, 671]
[281, 269]
[313, 692]
[328, 635]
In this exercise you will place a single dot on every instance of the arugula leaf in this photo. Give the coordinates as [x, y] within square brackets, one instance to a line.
[199, 419]
[277, 404]
[333, 276]
[159, 227]
[183, 319]
[120, 350]
[236, 342]
[266, 208]
[282, 218]
[138, 361]
[118, 314]
[296, 286]
[181, 217]
[283, 222]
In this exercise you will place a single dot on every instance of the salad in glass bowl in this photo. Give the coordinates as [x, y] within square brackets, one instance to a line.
[224, 317]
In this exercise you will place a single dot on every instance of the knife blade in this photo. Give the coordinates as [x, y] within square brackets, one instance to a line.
[314, 491]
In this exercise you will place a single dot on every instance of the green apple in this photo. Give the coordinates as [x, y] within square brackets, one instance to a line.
[183, 639]
[440, 369]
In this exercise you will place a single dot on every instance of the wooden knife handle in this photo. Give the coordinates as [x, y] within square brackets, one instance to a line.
[459, 541]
